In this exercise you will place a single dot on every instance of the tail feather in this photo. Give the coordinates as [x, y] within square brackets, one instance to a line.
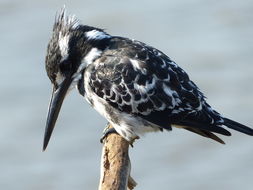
[237, 126]
[205, 134]
[208, 121]
[204, 126]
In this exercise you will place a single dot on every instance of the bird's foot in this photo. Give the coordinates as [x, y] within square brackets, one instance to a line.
[108, 130]
[132, 141]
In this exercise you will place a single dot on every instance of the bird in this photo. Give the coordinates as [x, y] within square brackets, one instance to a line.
[136, 87]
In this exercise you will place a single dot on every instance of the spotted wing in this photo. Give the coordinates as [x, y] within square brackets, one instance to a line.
[140, 80]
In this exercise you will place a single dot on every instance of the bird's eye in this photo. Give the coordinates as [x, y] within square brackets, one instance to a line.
[65, 66]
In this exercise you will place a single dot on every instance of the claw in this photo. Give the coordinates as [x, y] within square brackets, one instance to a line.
[109, 130]
[106, 132]
[132, 141]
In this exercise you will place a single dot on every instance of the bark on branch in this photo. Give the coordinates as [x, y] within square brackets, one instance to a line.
[115, 165]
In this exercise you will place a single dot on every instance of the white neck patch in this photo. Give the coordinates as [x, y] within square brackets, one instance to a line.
[96, 35]
[63, 45]
[89, 58]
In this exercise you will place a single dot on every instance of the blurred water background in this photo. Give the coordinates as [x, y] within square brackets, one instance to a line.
[212, 40]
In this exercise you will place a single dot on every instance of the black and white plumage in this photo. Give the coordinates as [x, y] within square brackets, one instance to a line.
[136, 87]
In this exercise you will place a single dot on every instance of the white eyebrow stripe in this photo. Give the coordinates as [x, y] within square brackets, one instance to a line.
[96, 35]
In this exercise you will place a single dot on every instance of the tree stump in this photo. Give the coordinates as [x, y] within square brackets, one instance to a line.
[115, 165]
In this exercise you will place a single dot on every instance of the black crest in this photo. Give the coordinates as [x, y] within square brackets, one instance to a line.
[58, 44]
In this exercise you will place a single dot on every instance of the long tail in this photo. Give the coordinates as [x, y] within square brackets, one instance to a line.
[237, 126]
[205, 134]
[200, 125]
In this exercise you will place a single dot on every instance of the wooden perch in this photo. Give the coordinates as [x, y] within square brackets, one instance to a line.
[115, 165]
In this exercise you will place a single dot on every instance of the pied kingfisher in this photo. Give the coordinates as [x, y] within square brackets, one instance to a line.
[136, 87]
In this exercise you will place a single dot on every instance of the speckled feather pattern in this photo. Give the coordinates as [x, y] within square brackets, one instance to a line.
[136, 87]
[143, 82]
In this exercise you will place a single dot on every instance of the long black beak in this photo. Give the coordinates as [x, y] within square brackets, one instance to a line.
[57, 98]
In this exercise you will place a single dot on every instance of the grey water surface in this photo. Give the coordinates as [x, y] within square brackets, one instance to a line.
[212, 40]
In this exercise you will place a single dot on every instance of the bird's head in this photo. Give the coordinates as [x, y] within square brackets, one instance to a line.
[71, 49]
